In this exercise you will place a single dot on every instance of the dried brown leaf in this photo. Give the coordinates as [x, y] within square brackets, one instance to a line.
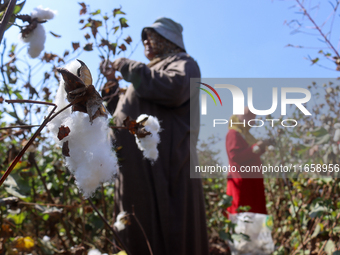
[75, 46]
[63, 132]
[65, 149]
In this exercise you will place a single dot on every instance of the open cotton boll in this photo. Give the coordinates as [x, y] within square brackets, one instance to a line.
[337, 126]
[43, 14]
[271, 148]
[148, 144]
[119, 224]
[94, 252]
[91, 159]
[36, 41]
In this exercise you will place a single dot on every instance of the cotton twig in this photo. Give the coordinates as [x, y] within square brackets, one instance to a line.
[116, 237]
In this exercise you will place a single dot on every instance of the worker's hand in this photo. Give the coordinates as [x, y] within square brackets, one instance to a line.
[116, 65]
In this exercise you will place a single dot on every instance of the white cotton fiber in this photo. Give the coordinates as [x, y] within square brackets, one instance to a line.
[36, 41]
[119, 224]
[336, 137]
[149, 143]
[91, 159]
[43, 14]
[94, 252]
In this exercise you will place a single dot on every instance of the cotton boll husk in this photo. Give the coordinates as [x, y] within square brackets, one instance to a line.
[61, 102]
[148, 144]
[336, 137]
[36, 41]
[94, 252]
[43, 14]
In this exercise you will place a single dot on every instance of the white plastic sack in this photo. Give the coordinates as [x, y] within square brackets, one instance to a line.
[258, 227]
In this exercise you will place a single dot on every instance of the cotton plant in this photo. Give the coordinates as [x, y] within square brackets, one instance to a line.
[146, 130]
[34, 33]
[148, 144]
[83, 131]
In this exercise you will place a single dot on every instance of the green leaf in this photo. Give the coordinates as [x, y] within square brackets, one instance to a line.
[318, 132]
[336, 253]
[95, 13]
[123, 22]
[240, 237]
[316, 231]
[323, 139]
[13, 47]
[317, 211]
[13, 192]
[116, 29]
[19, 96]
[18, 7]
[117, 11]
[45, 217]
[18, 218]
[330, 247]
[243, 208]
[223, 235]
[225, 202]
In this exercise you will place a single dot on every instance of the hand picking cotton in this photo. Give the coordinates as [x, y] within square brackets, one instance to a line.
[148, 144]
[86, 145]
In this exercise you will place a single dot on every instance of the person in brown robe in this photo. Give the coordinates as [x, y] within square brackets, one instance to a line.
[167, 202]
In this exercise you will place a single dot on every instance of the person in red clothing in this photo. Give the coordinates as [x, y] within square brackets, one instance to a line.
[246, 188]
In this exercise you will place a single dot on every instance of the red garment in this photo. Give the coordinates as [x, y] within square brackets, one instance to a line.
[247, 189]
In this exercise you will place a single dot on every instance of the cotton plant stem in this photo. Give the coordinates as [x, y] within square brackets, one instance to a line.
[34, 162]
[141, 227]
[48, 119]
[6, 17]
[318, 28]
[28, 144]
[116, 237]
[22, 126]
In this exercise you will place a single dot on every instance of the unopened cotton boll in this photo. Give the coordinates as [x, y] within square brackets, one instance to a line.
[336, 137]
[43, 14]
[148, 144]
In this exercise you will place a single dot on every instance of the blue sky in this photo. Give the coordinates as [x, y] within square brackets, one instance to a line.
[228, 39]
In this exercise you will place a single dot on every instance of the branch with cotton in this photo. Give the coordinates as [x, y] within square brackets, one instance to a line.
[122, 220]
[145, 129]
[34, 33]
[83, 132]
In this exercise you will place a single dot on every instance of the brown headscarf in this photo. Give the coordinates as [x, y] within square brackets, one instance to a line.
[161, 46]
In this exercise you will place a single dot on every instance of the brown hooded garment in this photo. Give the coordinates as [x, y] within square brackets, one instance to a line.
[168, 204]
